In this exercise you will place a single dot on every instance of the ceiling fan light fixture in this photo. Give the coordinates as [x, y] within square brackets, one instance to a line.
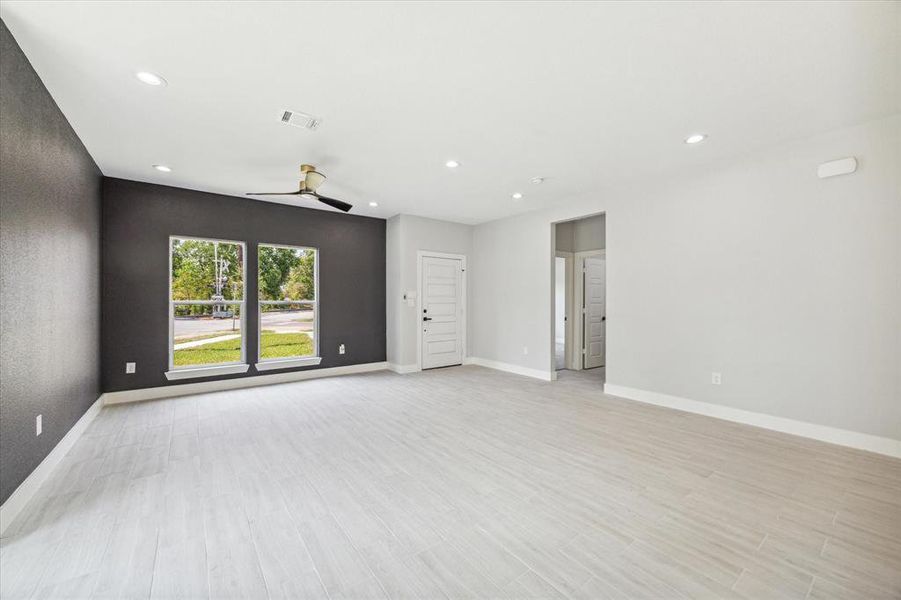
[312, 180]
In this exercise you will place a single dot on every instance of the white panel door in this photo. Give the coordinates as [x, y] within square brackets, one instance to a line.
[442, 312]
[595, 315]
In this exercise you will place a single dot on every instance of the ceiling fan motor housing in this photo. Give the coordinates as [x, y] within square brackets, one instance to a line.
[312, 178]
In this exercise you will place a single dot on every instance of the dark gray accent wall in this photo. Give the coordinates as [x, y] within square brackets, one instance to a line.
[49, 270]
[138, 219]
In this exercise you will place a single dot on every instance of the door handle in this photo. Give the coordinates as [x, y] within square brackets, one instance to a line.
[427, 318]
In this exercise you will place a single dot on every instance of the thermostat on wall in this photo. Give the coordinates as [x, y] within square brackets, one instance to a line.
[842, 166]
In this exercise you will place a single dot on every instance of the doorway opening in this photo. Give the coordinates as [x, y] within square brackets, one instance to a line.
[580, 295]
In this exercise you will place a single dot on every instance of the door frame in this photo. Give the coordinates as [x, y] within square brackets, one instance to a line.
[579, 301]
[568, 310]
[420, 254]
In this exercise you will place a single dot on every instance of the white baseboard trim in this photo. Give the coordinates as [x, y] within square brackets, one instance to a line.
[824, 433]
[204, 387]
[403, 369]
[518, 370]
[26, 490]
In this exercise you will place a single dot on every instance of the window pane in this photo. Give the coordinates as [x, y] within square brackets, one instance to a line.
[287, 273]
[287, 330]
[206, 334]
[204, 270]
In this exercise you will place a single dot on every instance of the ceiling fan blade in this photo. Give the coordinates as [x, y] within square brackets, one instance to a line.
[272, 194]
[334, 203]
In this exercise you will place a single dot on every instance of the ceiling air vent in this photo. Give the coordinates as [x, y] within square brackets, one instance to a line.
[299, 119]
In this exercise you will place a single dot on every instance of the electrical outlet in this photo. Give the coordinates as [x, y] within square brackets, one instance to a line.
[341, 349]
[129, 367]
[525, 349]
[39, 424]
[716, 378]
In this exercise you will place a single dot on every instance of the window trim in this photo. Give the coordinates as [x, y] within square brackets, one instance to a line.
[211, 370]
[208, 371]
[288, 363]
[269, 364]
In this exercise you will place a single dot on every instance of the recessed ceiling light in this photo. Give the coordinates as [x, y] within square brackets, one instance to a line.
[373, 204]
[696, 138]
[451, 164]
[517, 196]
[150, 78]
[162, 168]
[537, 180]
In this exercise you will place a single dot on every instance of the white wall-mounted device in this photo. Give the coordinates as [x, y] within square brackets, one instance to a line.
[410, 297]
[842, 166]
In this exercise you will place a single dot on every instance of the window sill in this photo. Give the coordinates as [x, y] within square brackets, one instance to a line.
[288, 363]
[206, 371]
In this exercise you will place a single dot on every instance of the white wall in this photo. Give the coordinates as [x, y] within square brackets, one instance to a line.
[560, 303]
[406, 235]
[589, 233]
[565, 236]
[582, 234]
[394, 285]
[788, 285]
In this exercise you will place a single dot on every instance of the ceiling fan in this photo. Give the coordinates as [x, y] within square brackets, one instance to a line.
[311, 181]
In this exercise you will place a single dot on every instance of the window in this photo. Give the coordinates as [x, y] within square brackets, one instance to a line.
[288, 277]
[206, 308]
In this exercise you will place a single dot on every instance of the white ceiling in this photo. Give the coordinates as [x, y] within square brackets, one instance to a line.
[585, 94]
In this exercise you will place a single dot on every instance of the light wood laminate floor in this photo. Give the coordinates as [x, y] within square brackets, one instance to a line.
[459, 483]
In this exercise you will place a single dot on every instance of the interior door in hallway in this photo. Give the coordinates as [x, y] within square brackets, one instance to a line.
[442, 312]
[595, 313]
